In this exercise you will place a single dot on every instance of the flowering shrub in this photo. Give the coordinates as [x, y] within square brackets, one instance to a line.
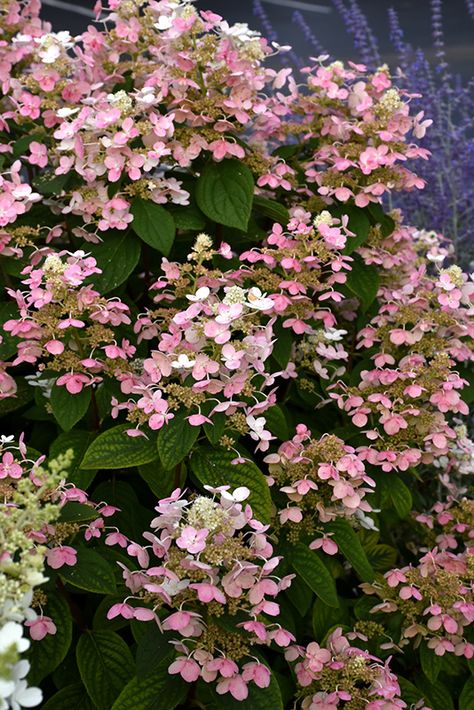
[213, 329]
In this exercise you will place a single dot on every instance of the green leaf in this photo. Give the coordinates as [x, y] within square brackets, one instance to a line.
[359, 223]
[133, 518]
[314, 572]
[91, 573]
[363, 281]
[77, 442]
[161, 481]
[215, 430]
[72, 696]
[350, 546]
[8, 346]
[154, 224]
[277, 422]
[382, 557]
[68, 408]
[22, 144]
[213, 467]
[176, 439]
[114, 449]
[283, 344]
[387, 224]
[410, 693]
[466, 699]
[399, 494]
[117, 256]
[157, 691]
[152, 647]
[325, 617]
[224, 192]
[300, 595]
[105, 664]
[187, 217]
[50, 184]
[430, 663]
[77, 512]
[47, 654]
[272, 209]
[437, 694]
[23, 395]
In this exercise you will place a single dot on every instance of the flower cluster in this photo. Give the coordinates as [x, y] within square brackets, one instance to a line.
[339, 675]
[208, 561]
[450, 524]
[361, 123]
[65, 323]
[323, 479]
[435, 599]
[423, 328]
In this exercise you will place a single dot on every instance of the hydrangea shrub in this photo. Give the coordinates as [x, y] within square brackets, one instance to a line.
[234, 466]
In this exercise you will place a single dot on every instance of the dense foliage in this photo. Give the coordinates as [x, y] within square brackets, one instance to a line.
[234, 467]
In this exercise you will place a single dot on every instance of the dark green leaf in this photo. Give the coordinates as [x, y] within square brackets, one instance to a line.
[154, 224]
[187, 217]
[71, 697]
[350, 546]
[437, 694]
[466, 699]
[467, 373]
[430, 663]
[215, 430]
[363, 281]
[132, 518]
[224, 192]
[359, 224]
[105, 664]
[214, 467]
[153, 646]
[117, 256]
[23, 395]
[283, 344]
[382, 557]
[410, 693]
[176, 439]
[157, 691]
[50, 184]
[8, 346]
[378, 216]
[77, 512]
[114, 449]
[300, 595]
[91, 573]
[325, 617]
[161, 481]
[277, 423]
[47, 654]
[68, 408]
[314, 572]
[21, 146]
[272, 209]
[399, 494]
[77, 442]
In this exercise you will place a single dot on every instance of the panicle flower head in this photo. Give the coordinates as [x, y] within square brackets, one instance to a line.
[213, 559]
